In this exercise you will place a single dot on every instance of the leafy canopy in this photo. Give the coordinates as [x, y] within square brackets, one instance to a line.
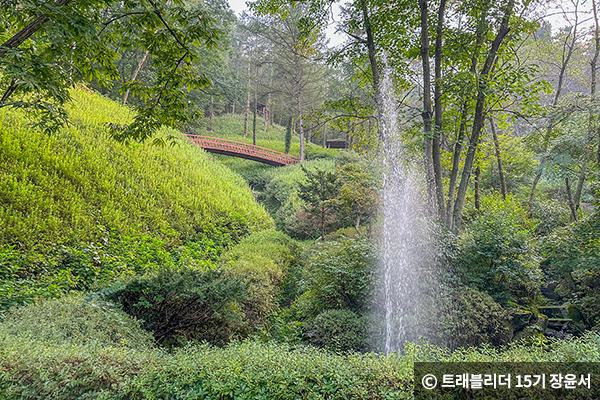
[48, 46]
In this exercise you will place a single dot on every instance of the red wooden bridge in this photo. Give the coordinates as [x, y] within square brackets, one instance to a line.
[243, 150]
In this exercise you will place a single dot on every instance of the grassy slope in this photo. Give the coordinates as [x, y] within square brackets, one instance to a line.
[79, 183]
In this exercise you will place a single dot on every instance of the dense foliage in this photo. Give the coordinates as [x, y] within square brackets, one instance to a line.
[111, 366]
[79, 185]
[48, 46]
[114, 368]
[134, 271]
[496, 252]
[184, 304]
[266, 260]
[81, 210]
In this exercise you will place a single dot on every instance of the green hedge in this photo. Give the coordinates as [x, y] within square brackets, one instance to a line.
[98, 357]
[64, 366]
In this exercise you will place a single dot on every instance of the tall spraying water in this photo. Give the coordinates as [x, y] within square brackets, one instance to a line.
[404, 232]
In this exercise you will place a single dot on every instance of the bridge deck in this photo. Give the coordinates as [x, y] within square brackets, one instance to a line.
[243, 150]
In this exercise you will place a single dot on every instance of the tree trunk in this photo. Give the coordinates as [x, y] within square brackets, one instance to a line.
[288, 136]
[322, 223]
[373, 64]
[300, 116]
[438, 113]
[267, 111]
[455, 166]
[324, 134]
[581, 180]
[571, 202]
[499, 158]
[477, 188]
[427, 113]
[212, 112]
[479, 117]
[247, 105]
[280, 114]
[254, 119]
[135, 74]
[479, 32]
[592, 123]
[568, 49]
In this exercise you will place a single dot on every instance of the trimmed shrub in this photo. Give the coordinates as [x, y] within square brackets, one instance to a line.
[252, 370]
[242, 371]
[472, 318]
[264, 259]
[339, 275]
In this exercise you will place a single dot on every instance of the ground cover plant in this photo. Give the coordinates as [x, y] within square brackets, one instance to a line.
[81, 183]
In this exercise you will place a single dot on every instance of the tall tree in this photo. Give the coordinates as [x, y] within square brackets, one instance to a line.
[569, 44]
[293, 58]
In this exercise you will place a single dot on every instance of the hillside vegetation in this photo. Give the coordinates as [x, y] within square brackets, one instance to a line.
[107, 356]
[83, 211]
[79, 184]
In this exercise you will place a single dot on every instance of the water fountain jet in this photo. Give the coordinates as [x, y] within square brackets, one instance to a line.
[405, 251]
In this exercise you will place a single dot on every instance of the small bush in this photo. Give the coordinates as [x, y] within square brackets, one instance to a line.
[264, 259]
[584, 297]
[549, 215]
[184, 304]
[574, 248]
[73, 320]
[497, 254]
[339, 330]
[472, 318]
[280, 191]
[339, 275]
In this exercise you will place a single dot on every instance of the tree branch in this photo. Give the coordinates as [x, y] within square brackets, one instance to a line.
[159, 15]
[110, 21]
[25, 33]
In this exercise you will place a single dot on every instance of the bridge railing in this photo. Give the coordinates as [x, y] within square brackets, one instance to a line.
[243, 148]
